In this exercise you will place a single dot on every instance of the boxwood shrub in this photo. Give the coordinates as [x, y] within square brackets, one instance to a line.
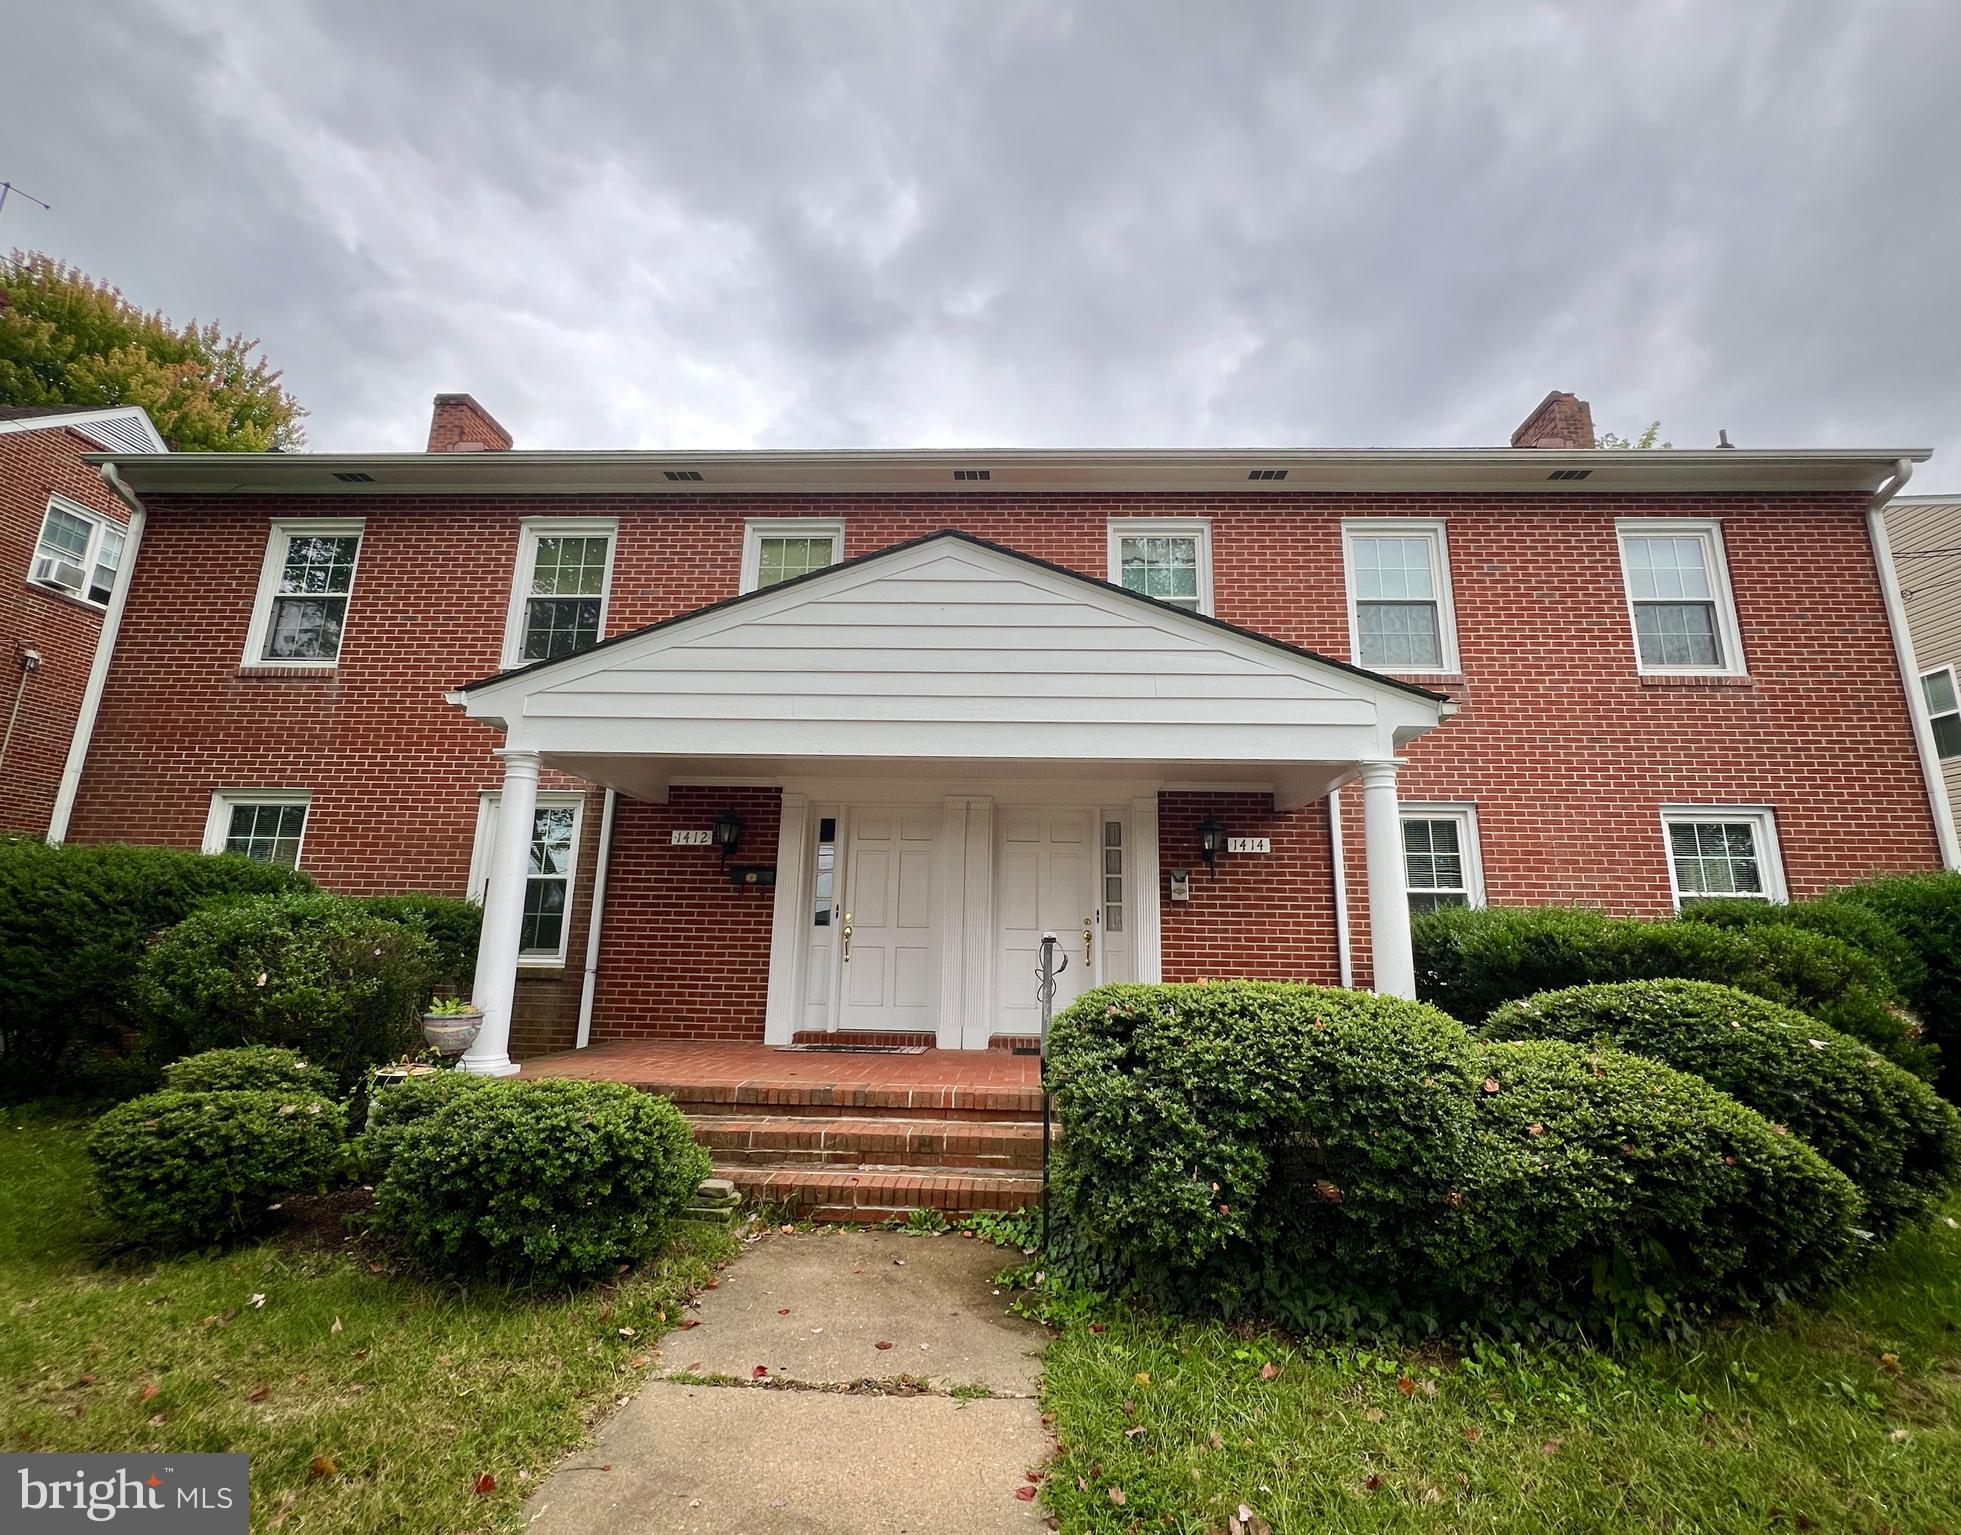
[249, 1068]
[181, 1169]
[1469, 962]
[539, 1183]
[1882, 1127]
[392, 1110]
[1924, 911]
[73, 924]
[1334, 1161]
[452, 924]
[314, 973]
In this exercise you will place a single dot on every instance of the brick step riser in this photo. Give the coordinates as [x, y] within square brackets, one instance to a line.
[878, 1143]
[877, 1194]
[997, 1107]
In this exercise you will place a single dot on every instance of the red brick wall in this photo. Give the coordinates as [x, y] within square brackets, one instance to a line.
[63, 629]
[1564, 748]
[683, 951]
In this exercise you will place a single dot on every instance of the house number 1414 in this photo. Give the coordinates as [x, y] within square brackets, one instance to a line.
[1249, 844]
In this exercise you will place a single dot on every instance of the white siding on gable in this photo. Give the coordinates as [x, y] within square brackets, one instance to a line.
[949, 649]
[1931, 588]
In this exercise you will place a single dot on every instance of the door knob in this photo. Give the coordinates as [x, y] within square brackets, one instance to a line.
[847, 937]
[1086, 928]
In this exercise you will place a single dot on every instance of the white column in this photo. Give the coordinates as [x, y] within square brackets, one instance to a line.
[1382, 831]
[789, 925]
[503, 917]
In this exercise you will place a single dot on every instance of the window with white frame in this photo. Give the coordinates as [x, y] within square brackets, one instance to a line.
[300, 617]
[1400, 617]
[1722, 852]
[558, 596]
[78, 552]
[779, 549]
[1169, 559]
[1441, 866]
[1943, 710]
[266, 824]
[549, 872]
[1678, 597]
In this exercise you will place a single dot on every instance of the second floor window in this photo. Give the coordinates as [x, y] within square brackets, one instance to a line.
[300, 617]
[779, 549]
[1678, 597]
[77, 552]
[1399, 596]
[558, 600]
[1943, 710]
[1170, 560]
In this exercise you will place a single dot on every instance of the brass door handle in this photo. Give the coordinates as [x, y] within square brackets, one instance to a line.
[1086, 954]
[847, 937]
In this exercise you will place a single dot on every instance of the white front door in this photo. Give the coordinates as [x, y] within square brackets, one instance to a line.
[1045, 870]
[890, 980]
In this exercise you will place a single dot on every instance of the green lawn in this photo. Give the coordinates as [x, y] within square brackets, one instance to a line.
[1845, 1418]
[366, 1402]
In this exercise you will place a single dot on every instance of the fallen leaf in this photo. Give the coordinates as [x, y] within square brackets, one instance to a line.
[259, 1301]
[1373, 1414]
[258, 1393]
[336, 1327]
[1371, 1484]
[881, 1344]
[1026, 1494]
[686, 1322]
[787, 1229]
[1473, 1434]
[1132, 1433]
[323, 1465]
[1117, 1497]
[898, 1263]
[1099, 1326]
[1550, 1447]
[150, 1390]
[1213, 1441]
[486, 1483]
[1143, 1377]
[86, 1380]
[638, 1362]
[1269, 1371]
[157, 1421]
[1491, 1084]
[782, 1310]
[1405, 1385]
[1891, 1362]
[1535, 1128]
[524, 1476]
[628, 1332]
[761, 1372]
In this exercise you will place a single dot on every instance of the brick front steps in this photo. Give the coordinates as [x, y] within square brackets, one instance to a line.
[840, 1136]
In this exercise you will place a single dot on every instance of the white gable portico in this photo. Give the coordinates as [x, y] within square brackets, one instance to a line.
[965, 737]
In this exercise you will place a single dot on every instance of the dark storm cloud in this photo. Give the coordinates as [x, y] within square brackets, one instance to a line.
[825, 225]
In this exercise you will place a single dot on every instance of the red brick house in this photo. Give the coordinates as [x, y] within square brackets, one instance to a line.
[753, 745]
[61, 543]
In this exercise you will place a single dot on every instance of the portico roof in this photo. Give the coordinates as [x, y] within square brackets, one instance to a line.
[950, 653]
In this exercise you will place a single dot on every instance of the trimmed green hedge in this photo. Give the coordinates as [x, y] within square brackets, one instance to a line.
[179, 1169]
[74, 921]
[549, 1182]
[453, 925]
[1469, 962]
[394, 1109]
[315, 973]
[250, 1068]
[1924, 910]
[1339, 1161]
[1882, 1127]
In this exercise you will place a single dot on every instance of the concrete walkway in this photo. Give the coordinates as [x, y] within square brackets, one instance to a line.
[870, 1417]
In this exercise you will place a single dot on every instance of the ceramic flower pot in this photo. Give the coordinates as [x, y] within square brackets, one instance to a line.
[451, 1033]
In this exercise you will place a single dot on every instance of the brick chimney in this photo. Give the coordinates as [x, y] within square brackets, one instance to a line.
[460, 425]
[1562, 420]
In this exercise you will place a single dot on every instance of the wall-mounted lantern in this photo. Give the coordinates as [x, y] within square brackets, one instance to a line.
[728, 833]
[1211, 841]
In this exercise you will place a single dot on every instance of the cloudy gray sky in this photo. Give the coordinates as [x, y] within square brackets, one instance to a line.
[912, 223]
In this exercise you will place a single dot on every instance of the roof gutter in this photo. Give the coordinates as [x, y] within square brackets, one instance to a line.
[105, 650]
[1896, 618]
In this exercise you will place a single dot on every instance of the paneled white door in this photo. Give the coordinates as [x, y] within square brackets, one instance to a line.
[1045, 876]
[887, 953]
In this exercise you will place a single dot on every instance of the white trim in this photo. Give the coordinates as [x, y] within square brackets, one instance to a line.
[609, 810]
[789, 920]
[1434, 531]
[99, 523]
[1933, 714]
[1938, 803]
[1198, 529]
[1146, 892]
[82, 420]
[105, 651]
[1465, 815]
[483, 851]
[1338, 864]
[1729, 633]
[281, 533]
[756, 529]
[1770, 854]
[530, 530]
[217, 823]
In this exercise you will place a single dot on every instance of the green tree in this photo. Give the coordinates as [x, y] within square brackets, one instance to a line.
[67, 339]
[1650, 438]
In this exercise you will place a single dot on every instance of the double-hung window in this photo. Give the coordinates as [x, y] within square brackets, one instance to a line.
[1168, 558]
[1678, 598]
[265, 824]
[78, 552]
[1441, 866]
[1943, 710]
[1726, 852]
[779, 549]
[549, 871]
[300, 617]
[1399, 605]
[558, 597]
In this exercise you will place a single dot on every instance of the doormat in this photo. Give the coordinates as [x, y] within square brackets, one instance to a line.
[860, 1049]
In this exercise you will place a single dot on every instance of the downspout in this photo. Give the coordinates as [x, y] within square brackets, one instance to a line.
[1343, 953]
[105, 650]
[1896, 618]
[598, 915]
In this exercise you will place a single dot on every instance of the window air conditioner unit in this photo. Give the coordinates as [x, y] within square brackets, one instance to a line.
[52, 570]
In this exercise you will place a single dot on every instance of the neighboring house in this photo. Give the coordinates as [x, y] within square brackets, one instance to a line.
[1925, 534]
[866, 725]
[62, 533]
